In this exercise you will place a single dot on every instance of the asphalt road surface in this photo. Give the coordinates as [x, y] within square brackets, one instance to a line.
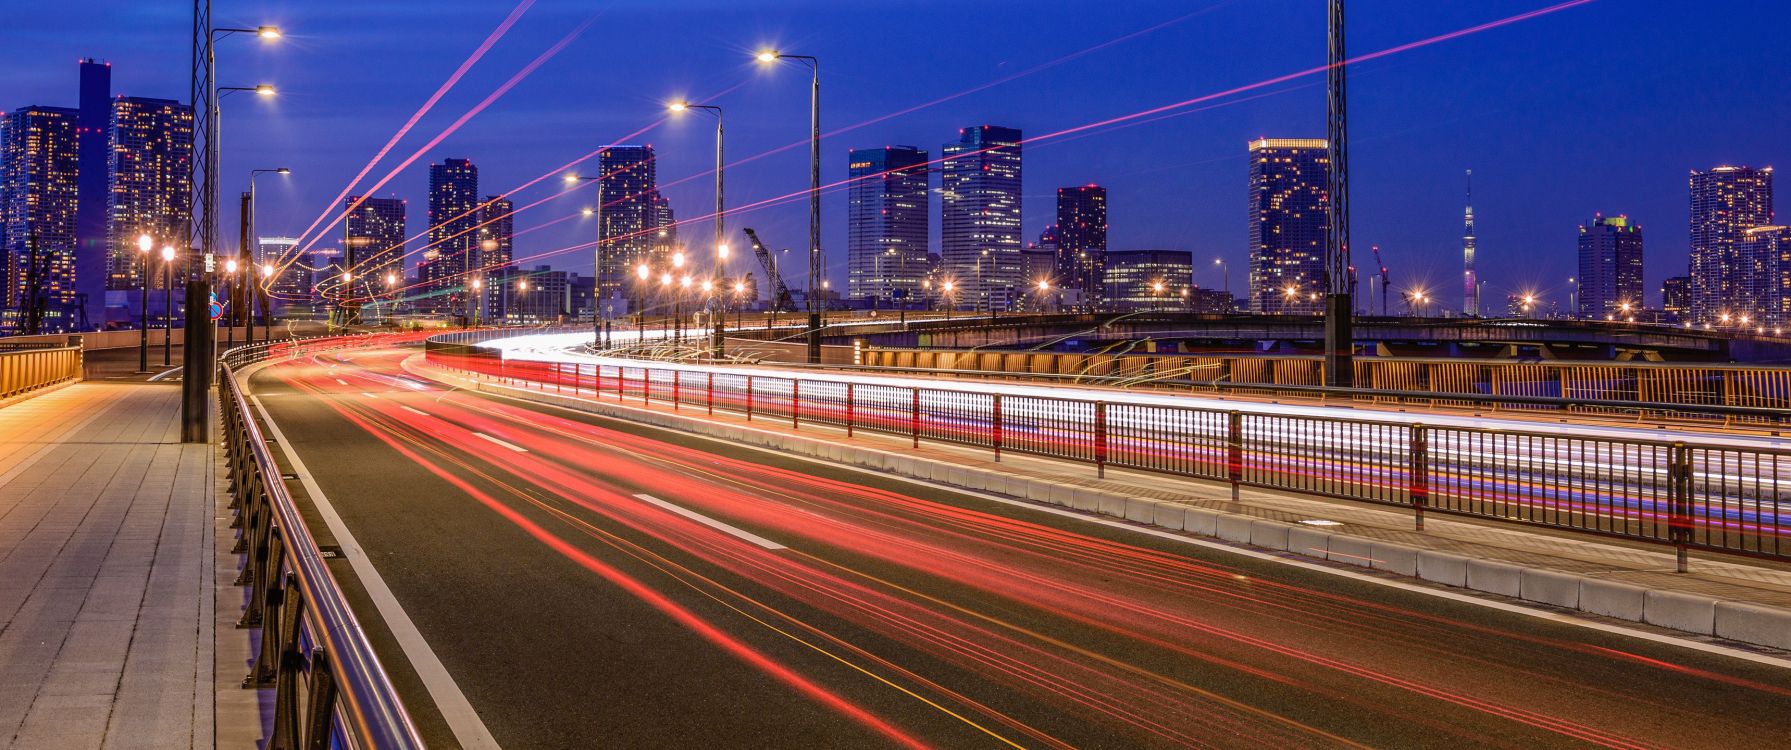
[590, 582]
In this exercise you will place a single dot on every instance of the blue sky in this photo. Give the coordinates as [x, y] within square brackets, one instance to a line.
[1602, 107]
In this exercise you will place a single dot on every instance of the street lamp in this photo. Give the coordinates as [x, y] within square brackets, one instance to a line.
[953, 301]
[267, 281]
[1156, 294]
[168, 305]
[230, 267]
[721, 243]
[1225, 269]
[596, 249]
[815, 266]
[253, 291]
[145, 243]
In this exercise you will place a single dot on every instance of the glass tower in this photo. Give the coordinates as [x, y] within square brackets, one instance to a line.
[1725, 202]
[979, 212]
[886, 224]
[1289, 179]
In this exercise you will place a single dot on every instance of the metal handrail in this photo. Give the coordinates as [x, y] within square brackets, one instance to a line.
[311, 640]
[25, 370]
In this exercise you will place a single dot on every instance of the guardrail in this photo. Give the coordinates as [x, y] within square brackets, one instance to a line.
[1691, 496]
[329, 688]
[25, 370]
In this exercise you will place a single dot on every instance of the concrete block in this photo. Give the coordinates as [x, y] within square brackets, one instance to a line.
[1308, 541]
[1351, 549]
[1234, 528]
[1037, 491]
[1612, 599]
[1688, 612]
[1139, 510]
[1112, 505]
[1201, 521]
[1268, 534]
[1443, 567]
[1063, 495]
[975, 479]
[1753, 623]
[1170, 516]
[1394, 558]
[1549, 587]
[1086, 500]
[1495, 577]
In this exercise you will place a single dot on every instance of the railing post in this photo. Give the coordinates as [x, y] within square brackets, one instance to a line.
[1101, 439]
[1420, 472]
[597, 379]
[711, 390]
[1679, 486]
[621, 384]
[849, 409]
[795, 404]
[749, 398]
[914, 416]
[677, 389]
[647, 386]
[1234, 451]
[995, 424]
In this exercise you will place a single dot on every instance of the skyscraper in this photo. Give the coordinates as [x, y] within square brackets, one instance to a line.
[497, 225]
[1289, 184]
[886, 224]
[1082, 242]
[39, 162]
[979, 212]
[1725, 202]
[453, 216]
[1470, 277]
[1765, 278]
[1610, 277]
[149, 170]
[1675, 297]
[631, 217]
[92, 257]
[373, 244]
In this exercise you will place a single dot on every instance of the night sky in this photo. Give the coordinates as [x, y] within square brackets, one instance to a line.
[1601, 107]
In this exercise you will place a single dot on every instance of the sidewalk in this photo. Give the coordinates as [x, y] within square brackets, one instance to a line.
[1728, 597]
[109, 599]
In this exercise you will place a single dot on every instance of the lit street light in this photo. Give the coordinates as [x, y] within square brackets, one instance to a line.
[721, 242]
[145, 243]
[168, 305]
[816, 267]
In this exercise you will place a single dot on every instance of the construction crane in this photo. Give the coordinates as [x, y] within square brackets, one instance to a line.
[1385, 282]
[780, 294]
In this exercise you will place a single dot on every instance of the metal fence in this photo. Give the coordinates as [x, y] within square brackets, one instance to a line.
[25, 370]
[1691, 496]
[330, 690]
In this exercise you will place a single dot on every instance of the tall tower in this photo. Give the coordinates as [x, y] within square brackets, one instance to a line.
[979, 215]
[1289, 231]
[631, 220]
[1470, 278]
[1082, 242]
[1610, 275]
[39, 166]
[90, 211]
[1725, 202]
[886, 224]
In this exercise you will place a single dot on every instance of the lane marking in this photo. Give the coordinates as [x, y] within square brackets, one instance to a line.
[1518, 609]
[511, 446]
[418, 412]
[469, 730]
[341, 381]
[712, 523]
[368, 395]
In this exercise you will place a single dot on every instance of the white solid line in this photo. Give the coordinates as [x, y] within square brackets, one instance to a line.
[418, 412]
[343, 382]
[368, 395]
[511, 446]
[469, 730]
[712, 523]
[1557, 617]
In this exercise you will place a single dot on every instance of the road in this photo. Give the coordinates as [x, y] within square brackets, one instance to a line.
[593, 582]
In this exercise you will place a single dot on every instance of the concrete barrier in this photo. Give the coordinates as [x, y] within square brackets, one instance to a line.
[1495, 577]
[1680, 611]
[1443, 567]
[1754, 624]
[1550, 587]
[1394, 558]
[1612, 599]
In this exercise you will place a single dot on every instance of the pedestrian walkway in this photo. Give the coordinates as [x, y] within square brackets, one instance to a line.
[109, 576]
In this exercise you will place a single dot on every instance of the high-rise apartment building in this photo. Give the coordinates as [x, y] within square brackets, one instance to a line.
[373, 245]
[979, 212]
[886, 225]
[633, 214]
[1675, 297]
[39, 163]
[93, 130]
[1725, 202]
[1765, 278]
[1610, 277]
[1082, 242]
[497, 226]
[1148, 279]
[149, 170]
[1289, 185]
[453, 238]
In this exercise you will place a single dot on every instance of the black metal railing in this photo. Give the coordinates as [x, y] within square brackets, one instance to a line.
[329, 688]
[1692, 496]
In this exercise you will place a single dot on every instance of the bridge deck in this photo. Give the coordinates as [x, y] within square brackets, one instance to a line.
[108, 578]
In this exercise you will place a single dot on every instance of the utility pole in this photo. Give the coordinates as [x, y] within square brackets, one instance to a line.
[1339, 328]
[196, 353]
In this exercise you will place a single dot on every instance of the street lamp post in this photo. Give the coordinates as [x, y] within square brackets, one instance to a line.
[144, 244]
[168, 306]
[1573, 298]
[816, 268]
[721, 241]
[252, 289]
[1226, 270]
[230, 267]
[596, 251]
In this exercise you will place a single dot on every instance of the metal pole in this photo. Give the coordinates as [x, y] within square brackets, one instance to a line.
[167, 313]
[597, 257]
[720, 239]
[143, 272]
[197, 351]
[1339, 333]
[816, 268]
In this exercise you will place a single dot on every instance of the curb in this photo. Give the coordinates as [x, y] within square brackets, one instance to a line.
[1691, 613]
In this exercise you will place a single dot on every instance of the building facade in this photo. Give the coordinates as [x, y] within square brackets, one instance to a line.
[1725, 202]
[1610, 277]
[1148, 279]
[150, 173]
[497, 229]
[290, 288]
[39, 192]
[453, 239]
[1765, 279]
[1081, 234]
[979, 217]
[92, 254]
[1675, 297]
[373, 247]
[633, 214]
[886, 225]
[1289, 187]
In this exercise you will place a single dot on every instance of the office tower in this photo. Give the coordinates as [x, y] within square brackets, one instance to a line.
[1147, 279]
[93, 131]
[497, 226]
[633, 213]
[149, 170]
[1082, 242]
[373, 246]
[1610, 277]
[1675, 297]
[1764, 280]
[1289, 182]
[886, 224]
[1470, 277]
[979, 216]
[1725, 202]
[39, 162]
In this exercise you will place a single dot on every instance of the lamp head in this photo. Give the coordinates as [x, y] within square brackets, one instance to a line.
[768, 56]
[678, 106]
[145, 242]
[268, 32]
[641, 271]
[282, 171]
[167, 252]
[264, 89]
